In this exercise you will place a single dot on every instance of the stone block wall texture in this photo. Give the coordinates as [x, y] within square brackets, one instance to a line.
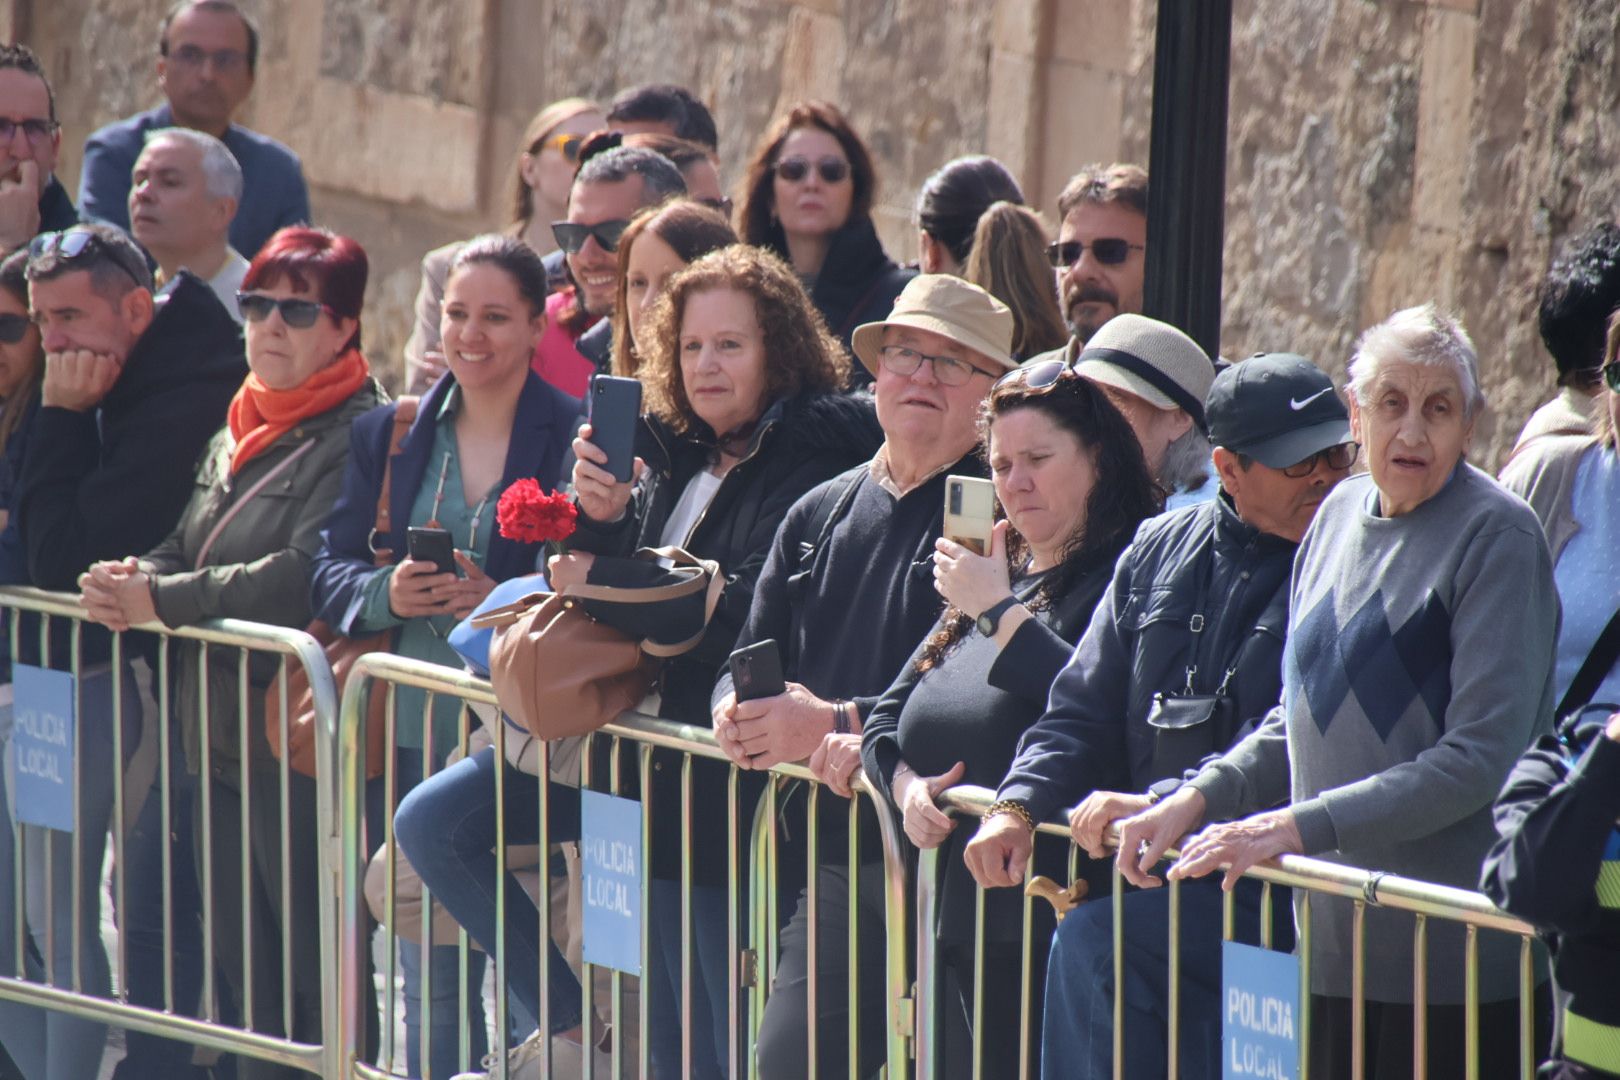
[1381, 152]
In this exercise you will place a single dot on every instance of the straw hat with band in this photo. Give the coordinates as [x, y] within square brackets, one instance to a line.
[1153, 360]
[950, 307]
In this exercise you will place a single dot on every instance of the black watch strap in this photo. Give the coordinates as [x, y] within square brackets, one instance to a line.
[990, 621]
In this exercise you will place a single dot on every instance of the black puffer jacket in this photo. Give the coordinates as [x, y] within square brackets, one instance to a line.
[857, 283]
[799, 443]
[1198, 588]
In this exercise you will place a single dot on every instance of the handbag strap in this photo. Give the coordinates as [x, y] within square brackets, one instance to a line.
[247, 496]
[404, 416]
[1599, 662]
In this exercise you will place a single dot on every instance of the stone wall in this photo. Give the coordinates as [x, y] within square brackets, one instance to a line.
[1382, 152]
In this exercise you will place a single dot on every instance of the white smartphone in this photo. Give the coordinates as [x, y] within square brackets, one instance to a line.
[970, 512]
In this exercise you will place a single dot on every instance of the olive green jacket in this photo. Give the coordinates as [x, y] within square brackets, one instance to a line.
[257, 569]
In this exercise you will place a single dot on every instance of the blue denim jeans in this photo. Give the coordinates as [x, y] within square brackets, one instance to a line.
[1078, 1028]
[46, 1044]
[446, 828]
[710, 1019]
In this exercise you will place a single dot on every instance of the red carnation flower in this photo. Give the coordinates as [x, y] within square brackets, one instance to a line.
[530, 516]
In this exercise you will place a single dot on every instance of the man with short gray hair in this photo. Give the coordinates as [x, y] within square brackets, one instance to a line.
[183, 195]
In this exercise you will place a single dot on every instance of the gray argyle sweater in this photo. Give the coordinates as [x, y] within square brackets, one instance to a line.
[1418, 667]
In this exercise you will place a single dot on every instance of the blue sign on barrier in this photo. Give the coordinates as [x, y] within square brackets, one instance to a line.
[42, 739]
[610, 864]
[1260, 998]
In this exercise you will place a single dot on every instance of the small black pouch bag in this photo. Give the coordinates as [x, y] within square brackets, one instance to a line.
[1185, 729]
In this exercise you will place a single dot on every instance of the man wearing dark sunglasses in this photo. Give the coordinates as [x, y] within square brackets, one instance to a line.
[1184, 653]
[133, 390]
[1101, 244]
[32, 200]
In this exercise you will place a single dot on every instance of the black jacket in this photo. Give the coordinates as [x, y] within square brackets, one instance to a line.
[798, 444]
[857, 283]
[111, 482]
[1198, 588]
[1558, 817]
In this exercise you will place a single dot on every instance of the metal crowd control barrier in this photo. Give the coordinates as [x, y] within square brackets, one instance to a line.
[170, 1019]
[751, 938]
[1427, 902]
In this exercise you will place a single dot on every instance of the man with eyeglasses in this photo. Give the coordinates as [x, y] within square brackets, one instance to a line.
[208, 51]
[1182, 658]
[857, 554]
[32, 200]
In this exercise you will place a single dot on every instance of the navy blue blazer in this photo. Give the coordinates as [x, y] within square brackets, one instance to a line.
[541, 432]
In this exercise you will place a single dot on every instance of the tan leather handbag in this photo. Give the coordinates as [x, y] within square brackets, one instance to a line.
[560, 670]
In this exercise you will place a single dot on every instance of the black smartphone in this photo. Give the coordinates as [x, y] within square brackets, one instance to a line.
[756, 671]
[614, 410]
[432, 545]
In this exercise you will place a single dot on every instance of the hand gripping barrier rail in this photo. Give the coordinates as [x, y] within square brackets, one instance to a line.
[625, 751]
[1428, 903]
[118, 749]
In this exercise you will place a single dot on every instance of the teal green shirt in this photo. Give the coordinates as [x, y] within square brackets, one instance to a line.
[443, 498]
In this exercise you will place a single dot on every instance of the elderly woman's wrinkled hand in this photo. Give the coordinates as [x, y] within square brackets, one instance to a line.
[1238, 845]
[600, 497]
[787, 727]
[973, 583]
[836, 761]
[925, 823]
[1145, 838]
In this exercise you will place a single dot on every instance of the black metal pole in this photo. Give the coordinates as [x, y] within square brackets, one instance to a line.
[1187, 167]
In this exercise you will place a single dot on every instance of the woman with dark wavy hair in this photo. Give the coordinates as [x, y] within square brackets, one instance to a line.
[1073, 486]
[807, 195]
[658, 242]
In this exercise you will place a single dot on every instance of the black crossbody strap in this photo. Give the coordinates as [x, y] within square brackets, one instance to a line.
[1599, 662]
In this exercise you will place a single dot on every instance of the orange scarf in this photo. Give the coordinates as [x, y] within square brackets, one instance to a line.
[259, 415]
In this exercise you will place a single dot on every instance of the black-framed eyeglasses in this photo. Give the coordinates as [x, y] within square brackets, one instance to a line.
[13, 327]
[947, 369]
[721, 204]
[38, 132]
[1108, 250]
[74, 243]
[1611, 376]
[1338, 459]
[296, 313]
[833, 170]
[194, 57]
[571, 237]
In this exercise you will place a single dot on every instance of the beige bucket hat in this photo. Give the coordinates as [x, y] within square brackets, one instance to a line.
[950, 307]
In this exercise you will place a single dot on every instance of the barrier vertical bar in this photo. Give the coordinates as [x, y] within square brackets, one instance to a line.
[1420, 995]
[1471, 999]
[812, 925]
[1358, 990]
[686, 899]
[1173, 1043]
[1527, 1023]
[165, 816]
[1116, 899]
[205, 792]
[245, 834]
[977, 1063]
[76, 846]
[926, 987]
[284, 791]
[120, 906]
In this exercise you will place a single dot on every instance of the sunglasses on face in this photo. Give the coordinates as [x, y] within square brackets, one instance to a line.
[571, 238]
[947, 369]
[1611, 376]
[297, 314]
[13, 327]
[1338, 459]
[75, 242]
[833, 170]
[1110, 251]
[566, 145]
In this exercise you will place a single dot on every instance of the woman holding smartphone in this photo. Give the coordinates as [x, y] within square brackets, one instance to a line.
[1073, 486]
[489, 422]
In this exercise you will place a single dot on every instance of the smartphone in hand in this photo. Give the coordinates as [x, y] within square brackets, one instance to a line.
[613, 406]
[756, 671]
[970, 512]
[426, 544]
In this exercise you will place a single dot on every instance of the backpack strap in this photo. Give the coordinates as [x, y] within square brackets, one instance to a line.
[1599, 662]
[830, 509]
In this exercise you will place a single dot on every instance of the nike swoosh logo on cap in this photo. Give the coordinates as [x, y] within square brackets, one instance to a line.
[1298, 405]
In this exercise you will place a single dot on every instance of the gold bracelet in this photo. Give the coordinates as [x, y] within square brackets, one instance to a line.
[1013, 807]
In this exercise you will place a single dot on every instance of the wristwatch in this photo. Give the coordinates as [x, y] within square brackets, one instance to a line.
[990, 619]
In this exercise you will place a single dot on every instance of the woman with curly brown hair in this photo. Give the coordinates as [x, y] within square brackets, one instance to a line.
[807, 195]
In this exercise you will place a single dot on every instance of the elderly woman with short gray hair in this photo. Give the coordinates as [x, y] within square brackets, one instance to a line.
[1422, 628]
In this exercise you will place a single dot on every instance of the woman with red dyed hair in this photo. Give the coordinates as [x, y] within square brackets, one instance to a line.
[243, 549]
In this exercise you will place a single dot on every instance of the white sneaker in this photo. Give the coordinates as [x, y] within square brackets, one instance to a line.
[523, 1062]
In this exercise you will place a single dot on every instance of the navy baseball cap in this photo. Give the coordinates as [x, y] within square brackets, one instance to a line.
[1277, 408]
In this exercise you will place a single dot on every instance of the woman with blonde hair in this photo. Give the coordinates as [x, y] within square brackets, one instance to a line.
[1008, 261]
[542, 174]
